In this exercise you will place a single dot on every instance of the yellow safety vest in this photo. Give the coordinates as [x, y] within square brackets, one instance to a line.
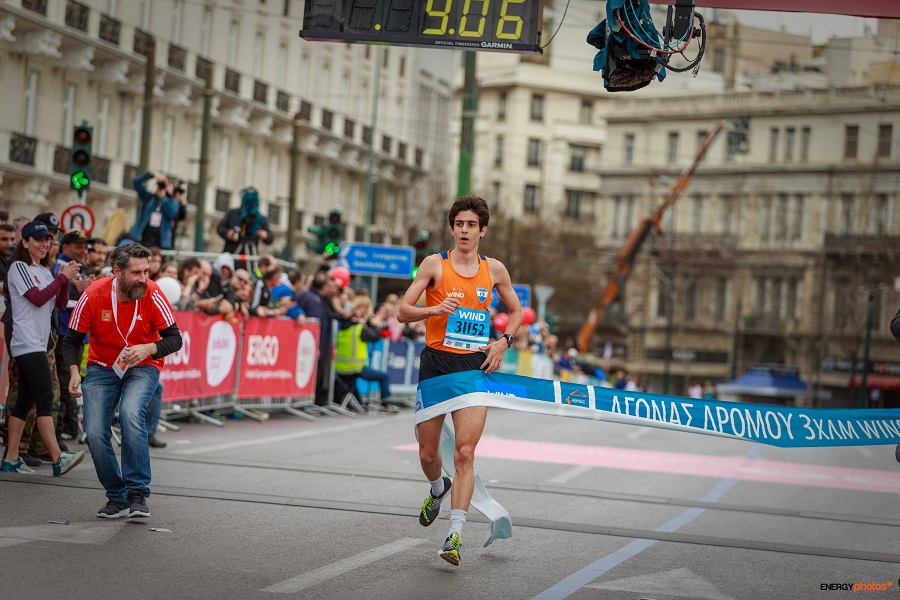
[352, 353]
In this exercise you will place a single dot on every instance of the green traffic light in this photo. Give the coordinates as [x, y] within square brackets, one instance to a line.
[412, 274]
[80, 180]
[331, 248]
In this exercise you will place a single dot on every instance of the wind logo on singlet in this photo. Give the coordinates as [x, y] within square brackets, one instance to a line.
[455, 294]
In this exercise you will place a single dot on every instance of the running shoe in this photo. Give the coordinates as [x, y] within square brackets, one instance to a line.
[15, 467]
[450, 551]
[66, 462]
[137, 505]
[113, 510]
[431, 508]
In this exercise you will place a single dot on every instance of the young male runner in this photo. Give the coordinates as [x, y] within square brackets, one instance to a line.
[458, 341]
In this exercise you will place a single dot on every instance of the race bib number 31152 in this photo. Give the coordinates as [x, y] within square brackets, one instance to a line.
[467, 329]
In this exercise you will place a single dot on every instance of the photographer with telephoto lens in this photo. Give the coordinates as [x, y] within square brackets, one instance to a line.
[244, 227]
[158, 212]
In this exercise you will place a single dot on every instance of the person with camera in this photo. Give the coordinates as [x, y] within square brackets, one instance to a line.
[243, 228]
[74, 247]
[34, 291]
[158, 212]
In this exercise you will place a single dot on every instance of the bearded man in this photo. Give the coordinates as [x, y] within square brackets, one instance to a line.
[132, 327]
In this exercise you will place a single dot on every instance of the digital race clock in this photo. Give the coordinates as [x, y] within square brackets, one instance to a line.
[500, 25]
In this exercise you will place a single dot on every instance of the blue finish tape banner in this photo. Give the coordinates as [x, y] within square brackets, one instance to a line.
[783, 426]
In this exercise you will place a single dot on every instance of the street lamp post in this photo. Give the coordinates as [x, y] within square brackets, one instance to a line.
[864, 388]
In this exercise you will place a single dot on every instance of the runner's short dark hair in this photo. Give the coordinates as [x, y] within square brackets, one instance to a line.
[476, 204]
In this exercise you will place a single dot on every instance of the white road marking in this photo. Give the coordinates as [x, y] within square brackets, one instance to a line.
[677, 582]
[570, 474]
[275, 439]
[306, 580]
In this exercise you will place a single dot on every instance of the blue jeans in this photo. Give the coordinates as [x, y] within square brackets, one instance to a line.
[103, 390]
[153, 410]
[383, 379]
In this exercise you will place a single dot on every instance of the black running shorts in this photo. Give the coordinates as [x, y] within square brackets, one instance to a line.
[433, 362]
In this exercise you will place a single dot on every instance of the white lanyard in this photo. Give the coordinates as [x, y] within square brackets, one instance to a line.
[115, 311]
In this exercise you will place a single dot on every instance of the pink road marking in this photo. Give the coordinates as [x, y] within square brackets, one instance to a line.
[688, 464]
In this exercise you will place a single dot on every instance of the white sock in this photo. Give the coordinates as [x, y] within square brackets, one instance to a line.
[437, 487]
[457, 520]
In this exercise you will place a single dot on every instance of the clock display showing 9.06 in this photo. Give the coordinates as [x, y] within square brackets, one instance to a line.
[505, 25]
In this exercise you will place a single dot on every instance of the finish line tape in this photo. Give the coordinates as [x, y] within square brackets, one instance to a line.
[784, 426]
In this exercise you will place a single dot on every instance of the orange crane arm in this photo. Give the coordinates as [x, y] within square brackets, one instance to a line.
[627, 255]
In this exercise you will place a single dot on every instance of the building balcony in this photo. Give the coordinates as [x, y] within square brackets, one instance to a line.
[305, 110]
[129, 172]
[282, 101]
[22, 148]
[143, 42]
[273, 214]
[202, 68]
[260, 91]
[61, 158]
[692, 246]
[38, 6]
[223, 200]
[232, 81]
[77, 15]
[109, 29]
[177, 57]
[193, 193]
[841, 246]
[100, 169]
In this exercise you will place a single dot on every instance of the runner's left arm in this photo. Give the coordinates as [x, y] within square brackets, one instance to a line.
[503, 284]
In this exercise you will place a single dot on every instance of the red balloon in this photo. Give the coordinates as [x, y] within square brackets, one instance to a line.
[341, 274]
[500, 321]
[528, 315]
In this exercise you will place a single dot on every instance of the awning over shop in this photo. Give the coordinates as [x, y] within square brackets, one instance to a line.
[773, 381]
[882, 382]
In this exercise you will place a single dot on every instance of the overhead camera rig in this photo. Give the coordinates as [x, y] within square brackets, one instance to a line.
[632, 51]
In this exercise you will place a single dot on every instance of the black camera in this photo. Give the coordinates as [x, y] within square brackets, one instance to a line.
[180, 187]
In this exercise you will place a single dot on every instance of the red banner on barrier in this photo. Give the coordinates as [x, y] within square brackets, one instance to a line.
[278, 359]
[206, 363]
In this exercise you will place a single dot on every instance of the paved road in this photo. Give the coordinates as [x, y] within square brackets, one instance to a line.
[326, 509]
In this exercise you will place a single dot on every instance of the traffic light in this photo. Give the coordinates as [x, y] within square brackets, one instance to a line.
[334, 233]
[317, 245]
[80, 158]
[328, 235]
[419, 243]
